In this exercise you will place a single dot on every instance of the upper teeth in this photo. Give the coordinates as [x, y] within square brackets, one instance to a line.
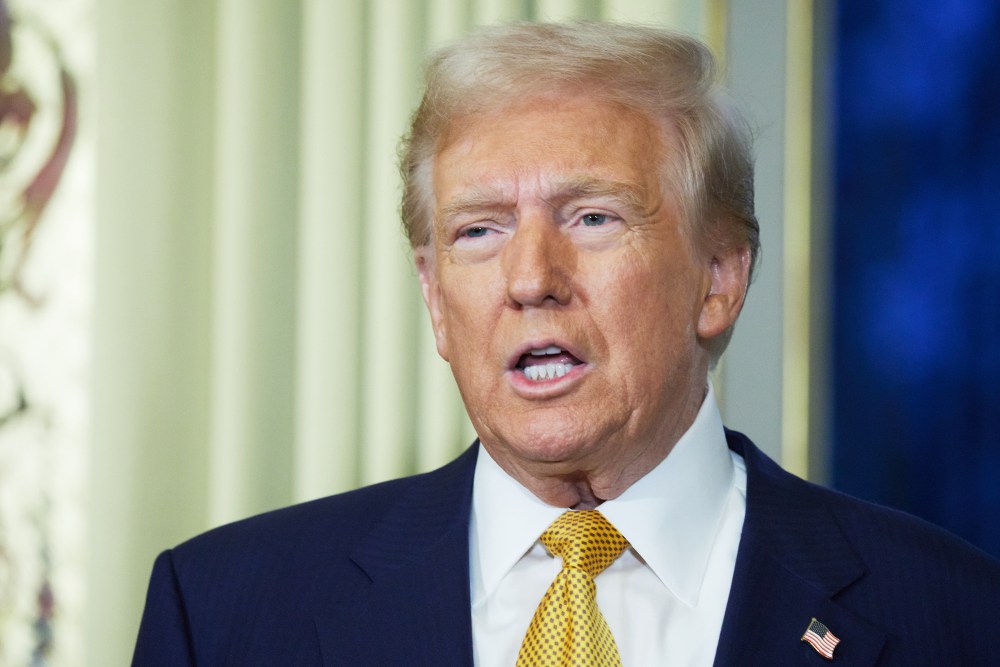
[551, 349]
[547, 371]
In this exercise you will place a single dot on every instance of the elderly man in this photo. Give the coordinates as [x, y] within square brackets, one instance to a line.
[579, 200]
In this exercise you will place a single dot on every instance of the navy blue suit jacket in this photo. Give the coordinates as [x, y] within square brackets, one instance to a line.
[380, 576]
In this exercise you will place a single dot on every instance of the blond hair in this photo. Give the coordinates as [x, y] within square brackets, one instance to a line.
[667, 75]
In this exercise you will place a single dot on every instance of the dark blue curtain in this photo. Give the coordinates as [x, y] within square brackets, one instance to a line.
[916, 328]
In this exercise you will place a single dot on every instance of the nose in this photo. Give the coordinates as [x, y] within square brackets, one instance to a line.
[538, 264]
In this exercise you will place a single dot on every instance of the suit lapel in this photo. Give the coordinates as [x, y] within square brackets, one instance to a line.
[416, 608]
[792, 562]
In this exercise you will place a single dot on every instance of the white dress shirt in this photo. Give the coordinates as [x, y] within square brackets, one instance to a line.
[664, 598]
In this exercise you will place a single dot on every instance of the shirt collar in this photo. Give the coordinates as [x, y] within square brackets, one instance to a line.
[670, 516]
[507, 520]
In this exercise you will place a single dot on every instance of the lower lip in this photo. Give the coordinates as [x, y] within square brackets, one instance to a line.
[543, 388]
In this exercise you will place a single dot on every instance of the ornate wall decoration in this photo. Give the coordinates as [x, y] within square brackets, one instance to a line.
[46, 224]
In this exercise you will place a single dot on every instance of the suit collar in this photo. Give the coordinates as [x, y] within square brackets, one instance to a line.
[793, 561]
[436, 504]
[787, 519]
[416, 608]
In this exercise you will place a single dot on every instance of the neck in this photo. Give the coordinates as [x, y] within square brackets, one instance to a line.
[585, 483]
[579, 489]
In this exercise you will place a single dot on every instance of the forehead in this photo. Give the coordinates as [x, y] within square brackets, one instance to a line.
[550, 145]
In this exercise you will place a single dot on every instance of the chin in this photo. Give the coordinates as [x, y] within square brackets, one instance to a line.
[550, 443]
[546, 435]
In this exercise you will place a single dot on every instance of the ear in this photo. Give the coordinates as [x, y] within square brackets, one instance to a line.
[729, 276]
[431, 291]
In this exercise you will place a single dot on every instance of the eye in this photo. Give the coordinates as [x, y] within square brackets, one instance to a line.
[594, 219]
[475, 232]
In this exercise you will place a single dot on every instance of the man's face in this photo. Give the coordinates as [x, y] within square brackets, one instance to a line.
[564, 289]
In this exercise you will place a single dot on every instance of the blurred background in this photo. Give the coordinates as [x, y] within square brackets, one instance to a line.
[207, 308]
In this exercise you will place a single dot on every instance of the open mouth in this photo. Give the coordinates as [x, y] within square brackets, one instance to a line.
[546, 363]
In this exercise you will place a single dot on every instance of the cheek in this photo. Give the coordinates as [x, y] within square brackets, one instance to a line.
[646, 292]
[650, 316]
[467, 322]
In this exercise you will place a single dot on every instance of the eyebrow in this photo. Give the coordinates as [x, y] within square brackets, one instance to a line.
[478, 199]
[628, 194]
[475, 199]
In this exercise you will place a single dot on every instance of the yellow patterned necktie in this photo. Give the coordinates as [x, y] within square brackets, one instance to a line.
[568, 628]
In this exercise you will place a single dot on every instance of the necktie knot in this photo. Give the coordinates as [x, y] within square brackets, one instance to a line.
[585, 540]
[568, 628]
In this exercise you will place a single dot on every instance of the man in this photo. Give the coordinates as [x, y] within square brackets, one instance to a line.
[579, 199]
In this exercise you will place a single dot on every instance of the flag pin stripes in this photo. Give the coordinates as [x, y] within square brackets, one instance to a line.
[820, 638]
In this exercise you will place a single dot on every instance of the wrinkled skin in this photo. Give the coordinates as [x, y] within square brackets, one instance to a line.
[553, 226]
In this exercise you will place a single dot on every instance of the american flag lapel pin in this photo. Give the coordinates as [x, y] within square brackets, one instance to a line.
[821, 639]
